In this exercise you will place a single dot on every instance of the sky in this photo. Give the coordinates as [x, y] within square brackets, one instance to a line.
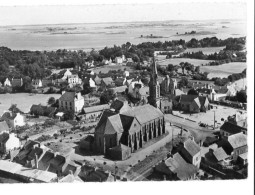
[60, 14]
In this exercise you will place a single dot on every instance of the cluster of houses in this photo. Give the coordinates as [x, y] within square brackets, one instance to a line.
[36, 163]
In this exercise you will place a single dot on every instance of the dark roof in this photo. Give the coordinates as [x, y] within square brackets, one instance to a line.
[4, 137]
[187, 98]
[3, 126]
[117, 104]
[205, 91]
[89, 138]
[8, 115]
[120, 147]
[47, 157]
[202, 100]
[103, 119]
[35, 151]
[29, 144]
[191, 147]
[237, 140]
[96, 108]
[179, 166]
[67, 96]
[232, 128]
[220, 89]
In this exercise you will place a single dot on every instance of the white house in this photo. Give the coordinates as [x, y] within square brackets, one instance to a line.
[14, 119]
[126, 73]
[132, 85]
[73, 79]
[8, 142]
[37, 83]
[118, 60]
[7, 82]
[92, 83]
[71, 101]
[64, 74]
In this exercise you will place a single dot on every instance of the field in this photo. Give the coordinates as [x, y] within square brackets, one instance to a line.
[23, 100]
[105, 69]
[205, 50]
[177, 61]
[224, 70]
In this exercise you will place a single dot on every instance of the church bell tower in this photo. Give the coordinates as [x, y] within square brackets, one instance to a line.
[154, 87]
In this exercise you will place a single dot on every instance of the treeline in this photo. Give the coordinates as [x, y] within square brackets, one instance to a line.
[230, 78]
[224, 56]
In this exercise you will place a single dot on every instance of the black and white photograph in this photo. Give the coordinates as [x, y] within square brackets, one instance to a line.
[126, 92]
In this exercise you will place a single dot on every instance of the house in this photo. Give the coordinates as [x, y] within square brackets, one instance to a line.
[107, 82]
[209, 93]
[47, 81]
[14, 119]
[4, 128]
[217, 156]
[97, 80]
[134, 86]
[178, 92]
[70, 179]
[8, 142]
[118, 90]
[131, 128]
[71, 101]
[17, 82]
[168, 85]
[242, 159]
[96, 175]
[228, 129]
[119, 60]
[194, 103]
[166, 106]
[176, 168]
[64, 74]
[125, 74]
[240, 119]
[37, 83]
[191, 152]
[92, 83]
[220, 93]
[235, 145]
[94, 112]
[7, 82]
[73, 80]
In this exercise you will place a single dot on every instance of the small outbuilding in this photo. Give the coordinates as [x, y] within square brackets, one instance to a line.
[120, 152]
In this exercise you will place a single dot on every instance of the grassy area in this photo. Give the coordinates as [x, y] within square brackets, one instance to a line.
[205, 50]
[105, 69]
[23, 100]
[177, 61]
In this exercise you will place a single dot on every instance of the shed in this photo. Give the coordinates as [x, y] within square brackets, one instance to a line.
[120, 152]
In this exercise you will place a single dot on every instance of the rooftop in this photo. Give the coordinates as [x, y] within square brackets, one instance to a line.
[232, 128]
[96, 108]
[237, 140]
[191, 147]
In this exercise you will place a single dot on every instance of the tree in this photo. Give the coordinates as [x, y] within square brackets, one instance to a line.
[183, 82]
[51, 101]
[170, 67]
[182, 65]
[197, 69]
[241, 96]
[15, 109]
[68, 115]
[192, 92]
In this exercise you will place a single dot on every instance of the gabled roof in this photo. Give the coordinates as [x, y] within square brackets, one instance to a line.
[3, 126]
[120, 147]
[191, 147]
[70, 179]
[187, 98]
[179, 166]
[68, 96]
[103, 119]
[232, 128]
[140, 113]
[202, 100]
[114, 125]
[220, 154]
[96, 108]
[205, 91]
[237, 140]
[119, 89]
[107, 80]
[4, 137]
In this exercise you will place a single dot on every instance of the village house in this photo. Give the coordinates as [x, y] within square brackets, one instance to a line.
[71, 101]
[217, 156]
[176, 168]
[94, 174]
[47, 81]
[125, 74]
[191, 152]
[64, 74]
[7, 82]
[39, 110]
[132, 128]
[97, 80]
[73, 80]
[118, 90]
[168, 85]
[17, 82]
[120, 81]
[4, 128]
[119, 106]
[166, 106]
[8, 142]
[107, 82]
[194, 103]
[209, 93]
[235, 145]
[239, 119]
[14, 119]
[228, 129]
[37, 83]
[93, 112]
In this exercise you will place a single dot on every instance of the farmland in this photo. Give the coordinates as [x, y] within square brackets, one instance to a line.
[177, 61]
[23, 100]
[105, 69]
[205, 50]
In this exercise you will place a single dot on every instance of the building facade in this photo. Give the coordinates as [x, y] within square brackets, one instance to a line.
[71, 101]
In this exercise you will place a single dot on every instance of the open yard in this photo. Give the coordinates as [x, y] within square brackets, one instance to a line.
[205, 50]
[224, 70]
[177, 61]
[105, 69]
[23, 100]
[207, 118]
